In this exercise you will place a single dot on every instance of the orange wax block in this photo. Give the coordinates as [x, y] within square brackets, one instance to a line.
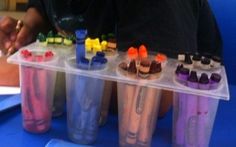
[143, 51]
[161, 57]
[132, 53]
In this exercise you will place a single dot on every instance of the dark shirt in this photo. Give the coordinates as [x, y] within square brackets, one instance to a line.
[169, 26]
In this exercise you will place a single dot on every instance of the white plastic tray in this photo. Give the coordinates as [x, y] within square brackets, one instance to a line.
[166, 81]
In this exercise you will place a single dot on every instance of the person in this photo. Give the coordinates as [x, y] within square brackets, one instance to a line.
[164, 26]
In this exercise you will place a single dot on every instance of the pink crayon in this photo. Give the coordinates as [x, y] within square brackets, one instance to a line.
[203, 112]
[182, 75]
[191, 112]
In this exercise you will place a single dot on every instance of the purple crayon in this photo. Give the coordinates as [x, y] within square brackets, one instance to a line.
[203, 112]
[215, 80]
[191, 111]
[182, 75]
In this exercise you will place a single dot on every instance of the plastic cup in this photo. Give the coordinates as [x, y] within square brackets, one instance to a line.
[137, 109]
[59, 95]
[106, 98]
[37, 89]
[84, 97]
[194, 129]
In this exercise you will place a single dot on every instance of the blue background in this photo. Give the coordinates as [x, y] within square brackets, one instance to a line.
[225, 11]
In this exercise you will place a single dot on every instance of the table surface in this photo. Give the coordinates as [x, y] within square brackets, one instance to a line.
[13, 135]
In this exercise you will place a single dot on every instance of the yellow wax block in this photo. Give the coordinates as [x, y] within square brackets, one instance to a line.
[88, 41]
[88, 47]
[58, 40]
[67, 42]
[45, 43]
[50, 40]
[97, 48]
[104, 45]
[96, 41]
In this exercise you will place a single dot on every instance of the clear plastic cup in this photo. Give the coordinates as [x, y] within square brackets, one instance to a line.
[59, 95]
[106, 98]
[137, 109]
[193, 119]
[37, 89]
[84, 98]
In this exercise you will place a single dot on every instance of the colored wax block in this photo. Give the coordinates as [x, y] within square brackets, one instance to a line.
[104, 45]
[143, 52]
[83, 64]
[80, 47]
[88, 44]
[203, 112]
[83, 106]
[132, 53]
[98, 63]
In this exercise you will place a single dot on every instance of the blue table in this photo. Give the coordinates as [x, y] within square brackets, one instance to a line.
[13, 135]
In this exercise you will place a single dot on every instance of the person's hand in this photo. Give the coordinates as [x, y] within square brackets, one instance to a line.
[10, 38]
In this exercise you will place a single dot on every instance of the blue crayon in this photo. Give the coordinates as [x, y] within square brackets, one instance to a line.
[98, 63]
[83, 63]
[80, 46]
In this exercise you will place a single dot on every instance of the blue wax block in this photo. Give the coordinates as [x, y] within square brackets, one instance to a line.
[83, 63]
[81, 34]
[80, 47]
[100, 54]
[98, 63]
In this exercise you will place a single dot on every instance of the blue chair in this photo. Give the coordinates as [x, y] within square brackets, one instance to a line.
[225, 15]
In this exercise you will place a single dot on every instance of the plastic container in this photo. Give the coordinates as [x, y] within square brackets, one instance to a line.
[137, 109]
[63, 143]
[84, 97]
[194, 115]
[59, 99]
[167, 81]
[106, 98]
[37, 89]
[192, 125]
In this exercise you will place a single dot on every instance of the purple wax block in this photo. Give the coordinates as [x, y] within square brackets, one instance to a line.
[191, 112]
[215, 80]
[182, 75]
[178, 68]
[203, 112]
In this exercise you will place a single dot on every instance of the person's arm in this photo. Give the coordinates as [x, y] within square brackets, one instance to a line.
[34, 21]
[209, 38]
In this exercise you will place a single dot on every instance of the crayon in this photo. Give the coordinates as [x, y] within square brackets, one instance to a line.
[216, 61]
[215, 80]
[196, 60]
[37, 102]
[80, 44]
[182, 75]
[148, 116]
[188, 61]
[191, 111]
[106, 98]
[205, 63]
[137, 107]
[128, 98]
[203, 112]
